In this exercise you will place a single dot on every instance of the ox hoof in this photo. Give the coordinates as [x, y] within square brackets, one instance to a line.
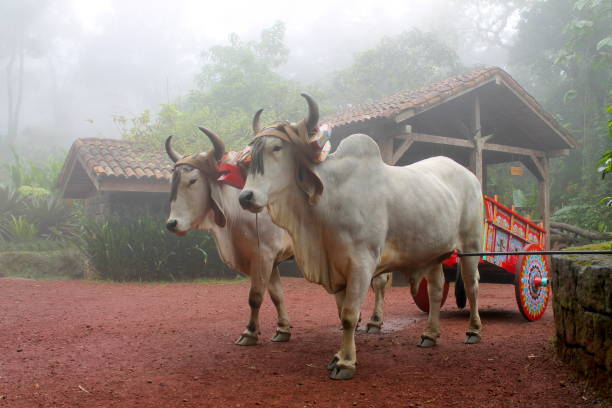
[332, 364]
[341, 372]
[373, 328]
[246, 340]
[281, 337]
[426, 342]
[472, 338]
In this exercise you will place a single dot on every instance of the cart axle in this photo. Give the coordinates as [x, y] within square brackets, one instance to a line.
[460, 254]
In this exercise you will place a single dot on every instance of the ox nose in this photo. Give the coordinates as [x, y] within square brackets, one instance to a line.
[171, 225]
[245, 198]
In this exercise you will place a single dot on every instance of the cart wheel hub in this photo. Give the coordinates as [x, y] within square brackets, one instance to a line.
[540, 281]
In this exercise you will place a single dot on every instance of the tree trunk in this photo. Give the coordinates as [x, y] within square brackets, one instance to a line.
[14, 103]
[593, 236]
[9, 94]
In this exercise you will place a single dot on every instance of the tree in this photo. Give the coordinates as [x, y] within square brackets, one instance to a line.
[407, 61]
[17, 18]
[235, 81]
[563, 50]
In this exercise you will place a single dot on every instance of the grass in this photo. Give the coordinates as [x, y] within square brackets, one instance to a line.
[588, 260]
[600, 246]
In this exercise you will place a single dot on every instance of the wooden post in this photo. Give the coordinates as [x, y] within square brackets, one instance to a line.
[544, 197]
[476, 133]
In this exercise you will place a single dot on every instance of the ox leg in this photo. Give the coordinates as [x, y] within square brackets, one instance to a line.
[378, 285]
[339, 296]
[283, 328]
[435, 281]
[470, 275]
[250, 335]
[343, 368]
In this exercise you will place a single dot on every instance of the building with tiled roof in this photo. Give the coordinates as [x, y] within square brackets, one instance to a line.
[114, 175]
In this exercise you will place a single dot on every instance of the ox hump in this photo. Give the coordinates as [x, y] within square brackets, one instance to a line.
[359, 146]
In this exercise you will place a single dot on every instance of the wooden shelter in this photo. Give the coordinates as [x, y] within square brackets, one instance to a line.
[481, 118]
[116, 176]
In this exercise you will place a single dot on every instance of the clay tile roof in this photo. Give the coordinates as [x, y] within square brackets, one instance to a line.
[423, 98]
[122, 159]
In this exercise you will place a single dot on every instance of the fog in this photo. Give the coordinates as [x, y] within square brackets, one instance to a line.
[87, 61]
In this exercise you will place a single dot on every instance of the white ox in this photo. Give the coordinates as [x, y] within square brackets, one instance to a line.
[352, 217]
[199, 201]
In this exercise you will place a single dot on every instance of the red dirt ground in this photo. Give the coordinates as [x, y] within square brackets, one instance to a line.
[88, 344]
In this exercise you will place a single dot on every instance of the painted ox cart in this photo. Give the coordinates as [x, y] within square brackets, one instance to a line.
[504, 231]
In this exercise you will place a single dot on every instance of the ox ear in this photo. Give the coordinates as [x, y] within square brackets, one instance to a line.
[309, 182]
[215, 204]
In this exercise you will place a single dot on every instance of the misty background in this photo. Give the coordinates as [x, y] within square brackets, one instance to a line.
[84, 62]
[142, 70]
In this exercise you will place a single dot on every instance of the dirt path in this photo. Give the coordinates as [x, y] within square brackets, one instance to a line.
[85, 344]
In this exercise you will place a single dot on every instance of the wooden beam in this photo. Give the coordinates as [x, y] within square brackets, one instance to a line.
[451, 141]
[403, 148]
[404, 115]
[469, 144]
[558, 153]
[111, 184]
[513, 150]
[544, 198]
[540, 170]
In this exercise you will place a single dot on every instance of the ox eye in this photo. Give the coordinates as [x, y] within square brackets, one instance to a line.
[276, 148]
[191, 182]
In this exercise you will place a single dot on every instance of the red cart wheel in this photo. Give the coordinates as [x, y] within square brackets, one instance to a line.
[422, 298]
[532, 284]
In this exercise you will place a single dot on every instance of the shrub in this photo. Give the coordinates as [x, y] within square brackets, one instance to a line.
[19, 229]
[591, 216]
[48, 215]
[53, 216]
[140, 249]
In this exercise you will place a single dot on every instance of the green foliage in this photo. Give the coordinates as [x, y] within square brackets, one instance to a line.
[31, 199]
[20, 229]
[586, 214]
[564, 44]
[41, 216]
[54, 217]
[140, 249]
[606, 159]
[407, 61]
[235, 81]
[32, 177]
[520, 191]
[34, 192]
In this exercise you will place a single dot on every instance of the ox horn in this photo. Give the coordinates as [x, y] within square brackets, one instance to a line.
[313, 113]
[174, 155]
[256, 125]
[218, 145]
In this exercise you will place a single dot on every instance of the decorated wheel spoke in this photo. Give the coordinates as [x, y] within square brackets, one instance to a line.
[532, 284]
